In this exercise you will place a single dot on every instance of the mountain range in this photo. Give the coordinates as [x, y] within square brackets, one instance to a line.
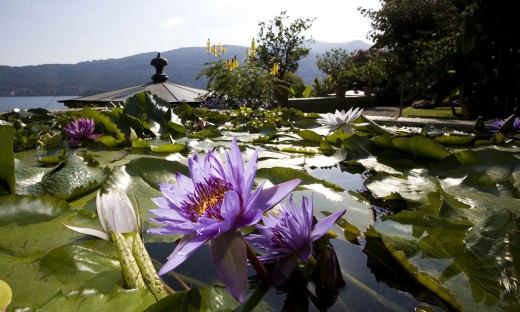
[91, 77]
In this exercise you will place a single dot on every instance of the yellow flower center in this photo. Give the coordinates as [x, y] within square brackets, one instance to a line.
[207, 199]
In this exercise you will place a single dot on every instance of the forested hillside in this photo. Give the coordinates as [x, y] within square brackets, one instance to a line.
[92, 77]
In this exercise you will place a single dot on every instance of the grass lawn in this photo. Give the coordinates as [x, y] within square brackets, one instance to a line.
[438, 112]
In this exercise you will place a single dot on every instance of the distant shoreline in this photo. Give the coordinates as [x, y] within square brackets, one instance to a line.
[8, 103]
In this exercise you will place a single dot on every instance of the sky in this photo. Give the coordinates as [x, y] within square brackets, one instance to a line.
[34, 32]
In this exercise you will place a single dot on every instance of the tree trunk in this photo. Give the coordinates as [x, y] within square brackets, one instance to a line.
[401, 101]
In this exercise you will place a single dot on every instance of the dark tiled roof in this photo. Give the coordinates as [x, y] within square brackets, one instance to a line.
[170, 92]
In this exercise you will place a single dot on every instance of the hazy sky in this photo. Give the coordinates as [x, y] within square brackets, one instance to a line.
[34, 32]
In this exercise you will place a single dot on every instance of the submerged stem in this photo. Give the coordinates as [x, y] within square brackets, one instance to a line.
[257, 265]
[383, 299]
[178, 278]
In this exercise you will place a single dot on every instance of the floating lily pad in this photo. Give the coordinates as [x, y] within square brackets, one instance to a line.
[7, 177]
[42, 257]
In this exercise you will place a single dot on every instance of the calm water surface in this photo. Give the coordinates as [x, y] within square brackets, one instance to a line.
[374, 280]
[8, 103]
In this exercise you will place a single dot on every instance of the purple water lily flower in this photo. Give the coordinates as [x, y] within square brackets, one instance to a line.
[287, 236]
[499, 123]
[80, 130]
[210, 207]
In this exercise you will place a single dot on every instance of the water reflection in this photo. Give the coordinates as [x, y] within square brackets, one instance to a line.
[374, 282]
[348, 181]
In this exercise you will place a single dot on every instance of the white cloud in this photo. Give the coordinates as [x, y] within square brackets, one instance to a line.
[170, 23]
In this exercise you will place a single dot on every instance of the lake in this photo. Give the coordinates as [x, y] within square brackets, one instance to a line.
[7, 103]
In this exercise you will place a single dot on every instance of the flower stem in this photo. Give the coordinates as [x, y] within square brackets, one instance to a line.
[312, 261]
[131, 272]
[150, 276]
[257, 265]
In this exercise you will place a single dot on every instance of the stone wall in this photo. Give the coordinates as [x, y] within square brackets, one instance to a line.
[330, 104]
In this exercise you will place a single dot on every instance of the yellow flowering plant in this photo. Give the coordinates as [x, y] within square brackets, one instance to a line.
[237, 82]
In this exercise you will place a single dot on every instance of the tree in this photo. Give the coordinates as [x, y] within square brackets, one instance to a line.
[282, 44]
[367, 66]
[468, 48]
[336, 63]
[488, 60]
[417, 35]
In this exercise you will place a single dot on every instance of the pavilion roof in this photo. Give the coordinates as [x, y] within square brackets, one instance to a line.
[170, 92]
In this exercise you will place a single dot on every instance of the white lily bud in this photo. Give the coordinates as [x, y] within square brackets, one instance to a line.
[115, 212]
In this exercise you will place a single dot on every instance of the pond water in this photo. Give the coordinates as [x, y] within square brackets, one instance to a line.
[365, 276]
[374, 280]
[426, 208]
[8, 103]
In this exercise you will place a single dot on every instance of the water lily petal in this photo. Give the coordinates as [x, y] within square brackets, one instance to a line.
[94, 136]
[197, 171]
[230, 209]
[81, 129]
[305, 252]
[236, 167]
[250, 173]
[176, 193]
[184, 182]
[101, 215]
[249, 217]
[325, 224]
[340, 119]
[228, 252]
[269, 220]
[302, 215]
[293, 238]
[170, 230]
[188, 245]
[271, 196]
[308, 209]
[116, 212]
[209, 227]
[172, 214]
[214, 167]
[259, 241]
[93, 232]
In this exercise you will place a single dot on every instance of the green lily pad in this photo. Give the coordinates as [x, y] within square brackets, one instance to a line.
[151, 110]
[203, 134]
[455, 139]
[118, 300]
[71, 180]
[421, 146]
[7, 157]
[457, 256]
[126, 122]
[417, 187]
[42, 257]
[104, 121]
[310, 136]
[200, 299]
[169, 148]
